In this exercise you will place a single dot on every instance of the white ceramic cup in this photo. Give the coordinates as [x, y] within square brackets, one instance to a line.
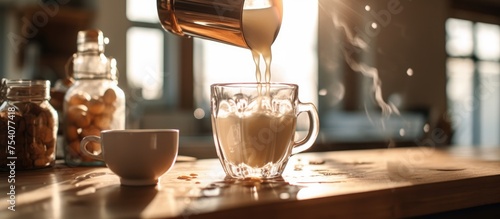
[138, 156]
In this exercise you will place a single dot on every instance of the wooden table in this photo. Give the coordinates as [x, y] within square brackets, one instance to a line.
[385, 183]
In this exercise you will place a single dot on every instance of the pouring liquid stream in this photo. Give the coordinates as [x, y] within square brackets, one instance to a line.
[261, 23]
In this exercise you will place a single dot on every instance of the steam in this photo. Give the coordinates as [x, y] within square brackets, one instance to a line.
[371, 72]
[368, 71]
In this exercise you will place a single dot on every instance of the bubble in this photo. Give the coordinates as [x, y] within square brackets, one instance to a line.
[367, 8]
[402, 132]
[225, 107]
[427, 128]
[323, 92]
[409, 72]
[284, 195]
[241, 104]
[374, 25]
[199, 113]
[282, 107]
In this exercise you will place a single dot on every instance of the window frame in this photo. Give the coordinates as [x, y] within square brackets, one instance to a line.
[178, 84]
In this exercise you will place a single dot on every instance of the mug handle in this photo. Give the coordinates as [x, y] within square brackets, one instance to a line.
[83, 147]
[313, 132]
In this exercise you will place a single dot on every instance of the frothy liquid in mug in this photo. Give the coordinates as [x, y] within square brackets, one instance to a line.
[256, 140]
[261, 137]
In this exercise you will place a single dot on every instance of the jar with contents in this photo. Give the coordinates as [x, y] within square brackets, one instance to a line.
[28, 125]
[94, 102]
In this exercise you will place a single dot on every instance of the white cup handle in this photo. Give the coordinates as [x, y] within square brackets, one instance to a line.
[313, 132]
[83, 147]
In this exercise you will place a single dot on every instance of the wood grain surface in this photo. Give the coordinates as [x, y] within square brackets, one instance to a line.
[382, 183]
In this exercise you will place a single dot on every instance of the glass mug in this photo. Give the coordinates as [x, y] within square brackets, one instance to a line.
[254, 127]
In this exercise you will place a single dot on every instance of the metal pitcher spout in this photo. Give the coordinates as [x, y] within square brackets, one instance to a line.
[216, 20]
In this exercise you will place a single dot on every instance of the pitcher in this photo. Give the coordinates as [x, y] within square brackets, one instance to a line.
[225, 21]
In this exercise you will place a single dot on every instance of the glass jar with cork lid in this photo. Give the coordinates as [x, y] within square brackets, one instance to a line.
[94, 102]
[28, 125]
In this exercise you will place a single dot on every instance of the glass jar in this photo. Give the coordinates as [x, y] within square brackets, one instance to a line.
[28, 126]
[94, 102]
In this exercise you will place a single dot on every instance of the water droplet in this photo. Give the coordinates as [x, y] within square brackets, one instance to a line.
[367, 8]
[409, 72]
[323, 92]
[86, 191]
[284, 196]
[402, 132]
[199, 113]
[374, 25]
[427, 127]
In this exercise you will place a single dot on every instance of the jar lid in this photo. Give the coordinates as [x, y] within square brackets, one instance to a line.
[91, 36]
[28, 89]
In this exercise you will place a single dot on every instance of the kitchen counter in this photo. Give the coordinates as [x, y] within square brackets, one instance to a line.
[380, 183]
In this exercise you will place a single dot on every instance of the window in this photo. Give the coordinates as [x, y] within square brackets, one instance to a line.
[145, 71]
[142, 11]
[146, 49]
[473, 70]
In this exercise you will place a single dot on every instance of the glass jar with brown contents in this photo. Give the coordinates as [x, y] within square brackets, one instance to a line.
[28, 125]
[94, 102]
